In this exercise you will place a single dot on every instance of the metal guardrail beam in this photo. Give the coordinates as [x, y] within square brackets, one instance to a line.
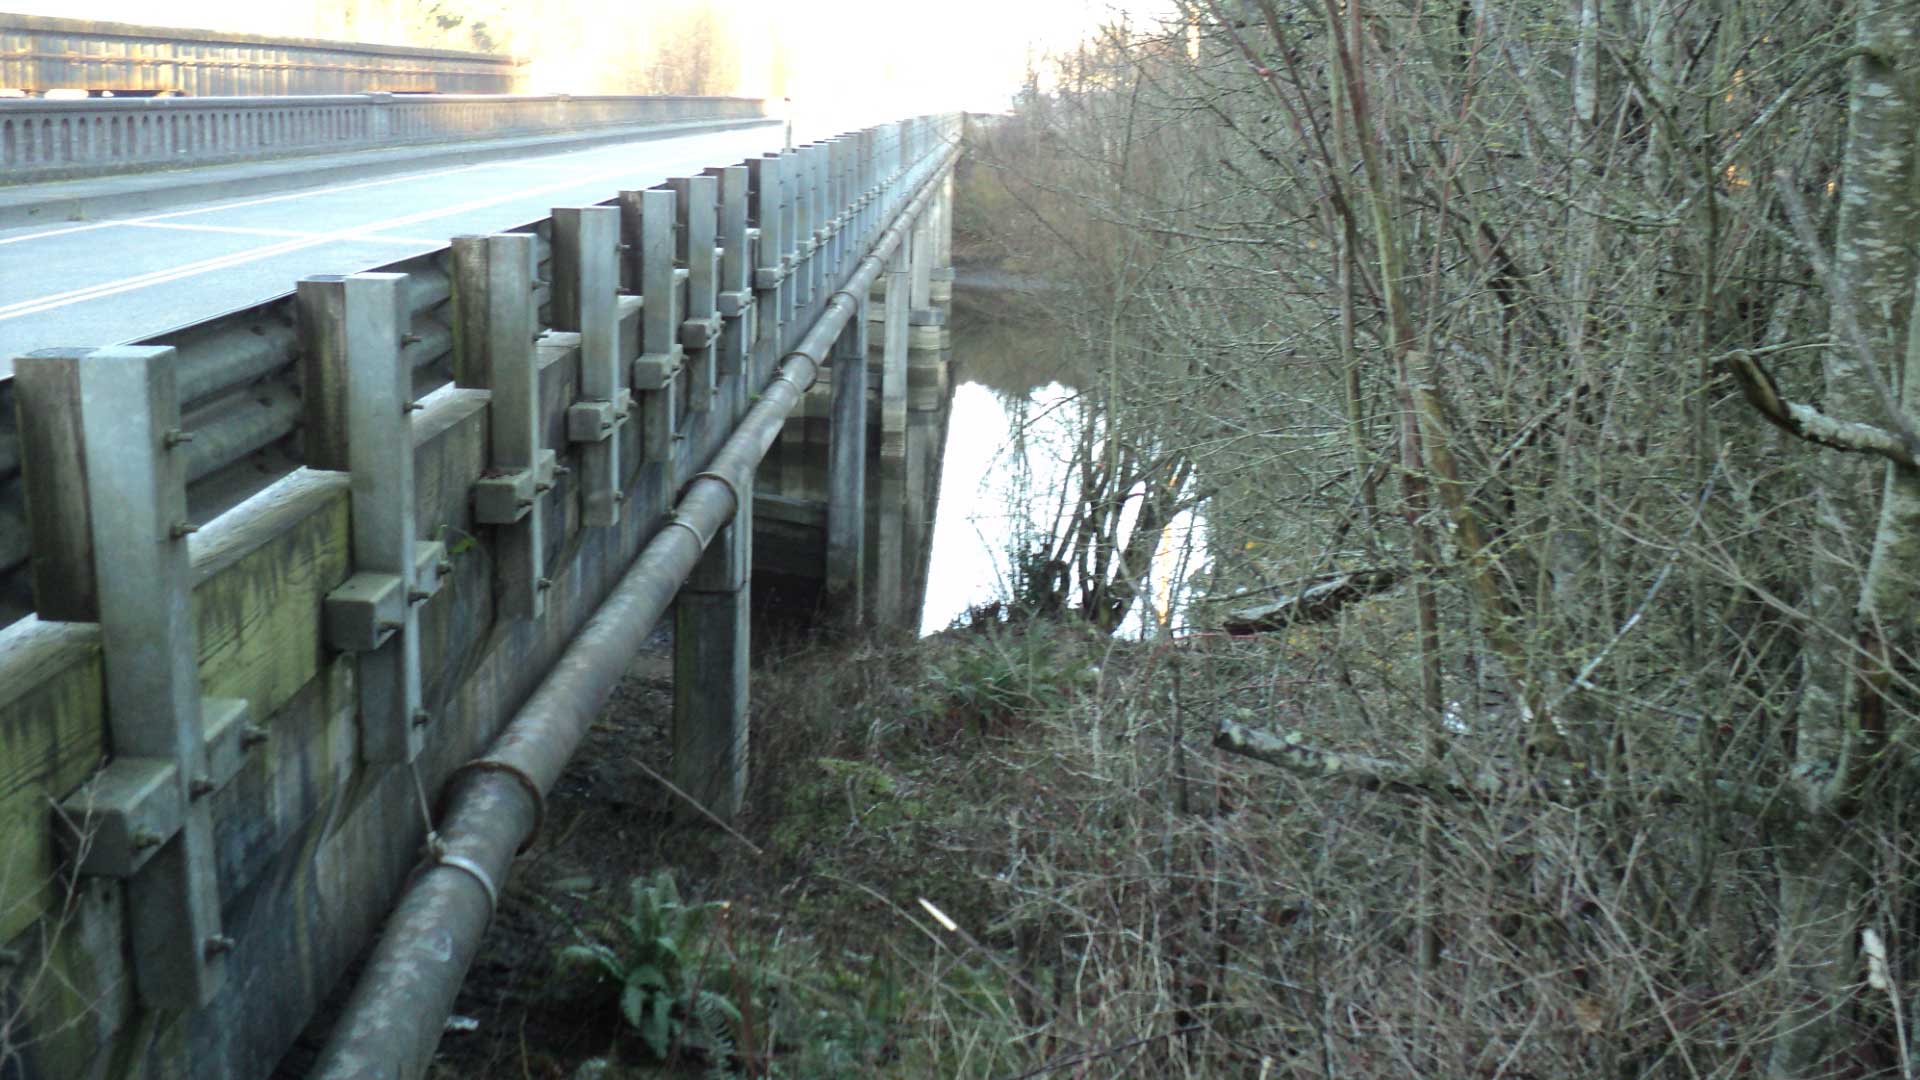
[59, 140]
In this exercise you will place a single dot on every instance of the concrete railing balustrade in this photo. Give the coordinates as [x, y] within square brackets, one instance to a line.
[42, 140]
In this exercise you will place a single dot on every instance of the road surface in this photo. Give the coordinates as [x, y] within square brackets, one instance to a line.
[114, 281]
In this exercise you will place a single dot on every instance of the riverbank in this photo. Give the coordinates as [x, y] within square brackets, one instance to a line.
[953, 849]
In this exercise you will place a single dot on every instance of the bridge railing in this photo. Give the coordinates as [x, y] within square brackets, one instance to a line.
[44, 140]
[40, 53]
[294, 565]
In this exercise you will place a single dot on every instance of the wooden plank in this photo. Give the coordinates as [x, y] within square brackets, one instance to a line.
[52, 724]
[261, 573]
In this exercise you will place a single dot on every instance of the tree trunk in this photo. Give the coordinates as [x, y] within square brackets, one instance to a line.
[1839, 729]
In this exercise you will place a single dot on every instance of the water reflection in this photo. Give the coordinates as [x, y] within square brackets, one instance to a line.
[1017, 453]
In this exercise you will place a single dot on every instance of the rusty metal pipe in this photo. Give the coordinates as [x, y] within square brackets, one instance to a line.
[394, 1018]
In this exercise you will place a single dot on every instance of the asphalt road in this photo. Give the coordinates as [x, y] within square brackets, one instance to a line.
[119, 280]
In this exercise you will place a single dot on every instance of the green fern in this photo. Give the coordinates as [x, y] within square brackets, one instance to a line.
[654, 953]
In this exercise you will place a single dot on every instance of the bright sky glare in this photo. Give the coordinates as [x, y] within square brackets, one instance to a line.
[916, 58]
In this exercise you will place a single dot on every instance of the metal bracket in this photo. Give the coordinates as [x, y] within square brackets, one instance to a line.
[129, 809]
[365, 611]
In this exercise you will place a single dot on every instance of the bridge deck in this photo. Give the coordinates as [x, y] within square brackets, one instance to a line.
[133, 278]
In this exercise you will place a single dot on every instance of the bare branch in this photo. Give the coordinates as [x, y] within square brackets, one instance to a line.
[1809, 423]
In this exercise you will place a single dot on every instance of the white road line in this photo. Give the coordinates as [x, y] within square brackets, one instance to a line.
[239, 204]
[37, 305]
[241, 230]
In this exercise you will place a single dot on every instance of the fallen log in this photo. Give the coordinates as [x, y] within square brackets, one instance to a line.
[1317, 603]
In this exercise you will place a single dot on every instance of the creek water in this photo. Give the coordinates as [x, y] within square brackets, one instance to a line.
[1009, 480]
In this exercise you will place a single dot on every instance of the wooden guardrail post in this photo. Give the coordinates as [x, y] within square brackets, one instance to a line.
[586, 287]
[735, 298]
[710, 661]
[105, 479]
[358, 397]
[773, 264]
[494, 333]
[647, 223]
[697, 206]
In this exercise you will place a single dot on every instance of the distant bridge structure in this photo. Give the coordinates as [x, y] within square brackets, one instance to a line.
[39, 54]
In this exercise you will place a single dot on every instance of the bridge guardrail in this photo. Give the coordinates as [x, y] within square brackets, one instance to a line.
[40, 52]
[44, 140]
[380, 611]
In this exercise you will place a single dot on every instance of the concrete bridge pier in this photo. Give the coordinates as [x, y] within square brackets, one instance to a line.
[847, 475]
[890, 564]
[711, 654]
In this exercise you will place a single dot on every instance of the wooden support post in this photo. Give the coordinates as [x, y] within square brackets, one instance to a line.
[710, 661]
[358, 397]
[806, 237]
[586, 287]
[735, 298]
[769, 270]
[494, 332]
[106, 486]
[647, 219]
[817, 282]
[697, 201]
[792, 239]
[847, 474]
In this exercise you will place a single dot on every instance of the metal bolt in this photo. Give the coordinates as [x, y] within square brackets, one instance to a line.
[412, 407]
[619, 496]
[388, 626]
[147, 838]
[522, 504]
[622, 248]
[175, 437]
[542, 489]
[418, 596]
[444, 566]
[252, 735]
[199, 786]
[545, 584]
[181, 529]
[218, 945]
[421, 718]
[409, 339]
[563, 470]
[536, 284]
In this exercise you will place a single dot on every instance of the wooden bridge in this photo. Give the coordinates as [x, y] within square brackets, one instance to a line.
[366, 593]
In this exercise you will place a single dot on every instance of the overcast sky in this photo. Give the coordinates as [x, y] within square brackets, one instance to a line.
[917, 57]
